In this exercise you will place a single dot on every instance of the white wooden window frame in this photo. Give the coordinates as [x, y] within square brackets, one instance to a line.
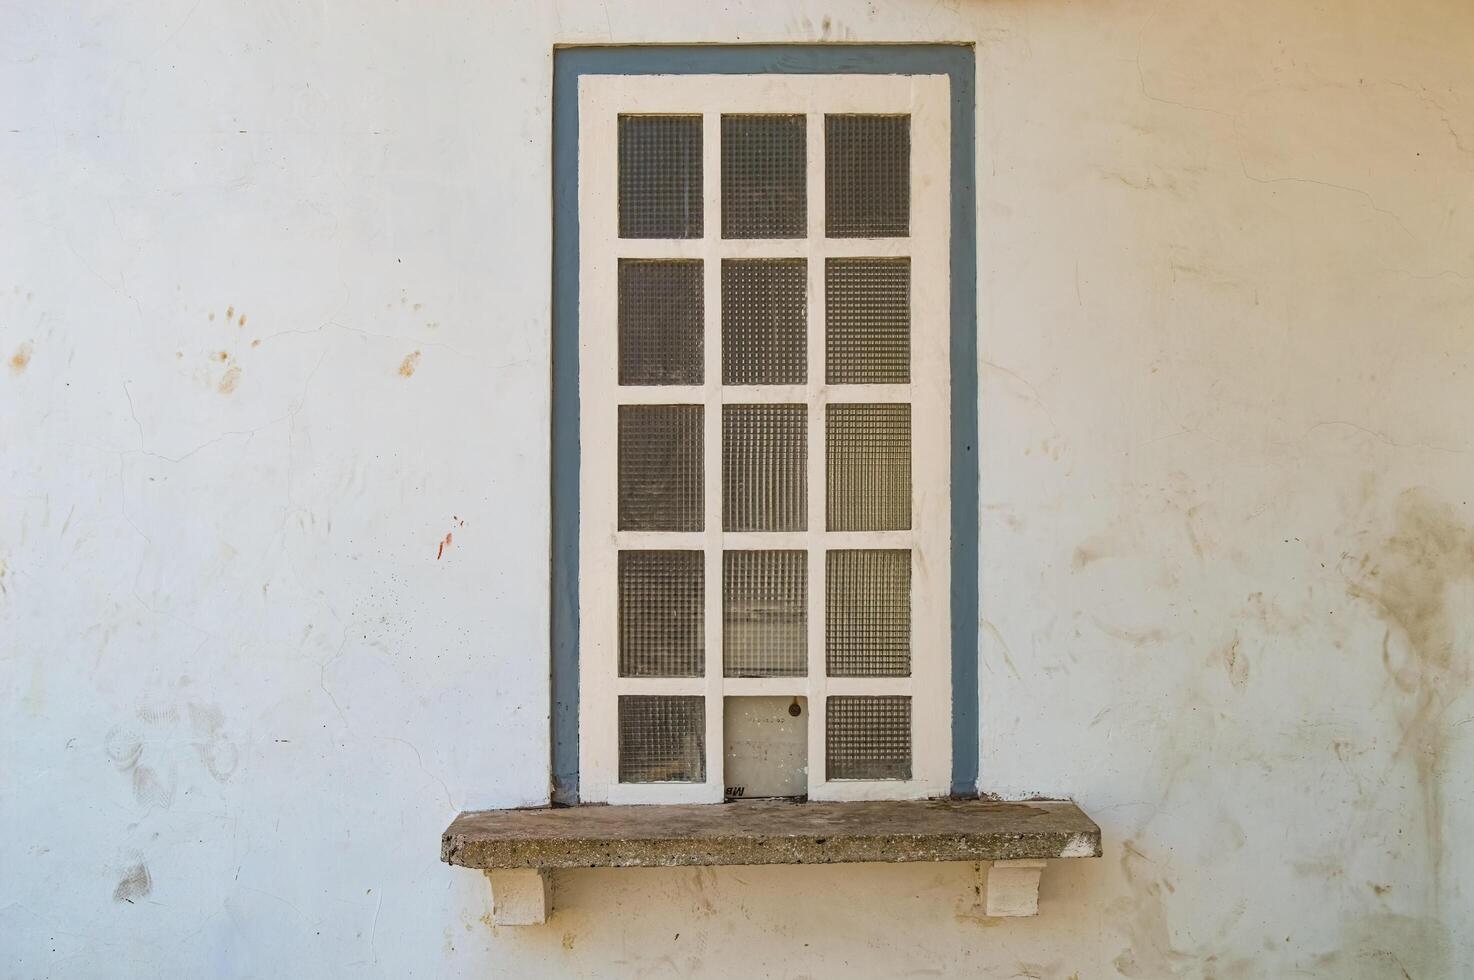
[602, 99]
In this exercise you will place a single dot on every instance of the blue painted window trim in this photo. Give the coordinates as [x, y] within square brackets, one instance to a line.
[569, 64]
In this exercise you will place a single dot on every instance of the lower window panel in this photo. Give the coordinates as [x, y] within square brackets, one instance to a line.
[662, 739]
[867, 737]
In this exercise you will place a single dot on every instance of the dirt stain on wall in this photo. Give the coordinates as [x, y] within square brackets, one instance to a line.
[1235, 662]
[229, 380]
[1151, 952]
[1407, 579]
[408, 365]
[21, 359]
[1385, 944]
[136, 883]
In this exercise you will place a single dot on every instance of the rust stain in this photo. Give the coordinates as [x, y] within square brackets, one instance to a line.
[230, 312]
[443, 545]
[408, 365]
[21, 359]
[242, 321]
[228, 382]
[223, 356]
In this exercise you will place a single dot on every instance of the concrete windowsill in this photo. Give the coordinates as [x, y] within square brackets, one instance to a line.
[768, 832]
[519, 848]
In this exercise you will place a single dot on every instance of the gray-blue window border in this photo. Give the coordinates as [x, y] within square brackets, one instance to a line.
[957, 61]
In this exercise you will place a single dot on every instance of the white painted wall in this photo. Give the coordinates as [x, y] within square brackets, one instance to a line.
[271, 613]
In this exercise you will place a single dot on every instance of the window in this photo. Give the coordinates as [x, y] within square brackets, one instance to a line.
[765, 436]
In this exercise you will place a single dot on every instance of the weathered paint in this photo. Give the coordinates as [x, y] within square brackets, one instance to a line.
[1224, 257]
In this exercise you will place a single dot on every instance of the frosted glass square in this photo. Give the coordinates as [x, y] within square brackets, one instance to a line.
[660, 177]
[660, 470]
[868, 737]
[662, 613]
[869, 467]
[765, 613]
[764, 176]
[764, 467]
[662, 739]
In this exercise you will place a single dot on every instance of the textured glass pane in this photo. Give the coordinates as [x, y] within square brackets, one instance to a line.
[867, 321]
[763, 307]
[869, 467]
[867, 176]
[660, 472]
[659, 176]
[764, 177]
[764, 457]
[868, 738]
[662, 739]
[764, 613]
[661, 607]
[867, 613]
[661, 325]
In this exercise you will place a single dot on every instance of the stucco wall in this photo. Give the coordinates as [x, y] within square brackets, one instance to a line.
[274, 288]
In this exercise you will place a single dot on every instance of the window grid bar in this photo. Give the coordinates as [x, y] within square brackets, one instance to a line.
[765, 394]
[712, 396]
[764, 248]
[761, 540]
[817, 686]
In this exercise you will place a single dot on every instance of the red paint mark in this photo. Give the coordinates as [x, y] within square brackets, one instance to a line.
[443, 545]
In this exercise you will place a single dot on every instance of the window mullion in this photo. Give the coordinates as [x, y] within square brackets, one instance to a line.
[712, 398]
[815, 398]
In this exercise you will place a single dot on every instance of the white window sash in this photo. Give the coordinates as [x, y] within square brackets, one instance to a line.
[601, 100]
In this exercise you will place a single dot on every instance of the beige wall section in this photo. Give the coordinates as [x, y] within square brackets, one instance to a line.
[253, 660]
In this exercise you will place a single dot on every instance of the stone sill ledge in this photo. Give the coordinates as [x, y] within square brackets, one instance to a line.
[518, 849]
